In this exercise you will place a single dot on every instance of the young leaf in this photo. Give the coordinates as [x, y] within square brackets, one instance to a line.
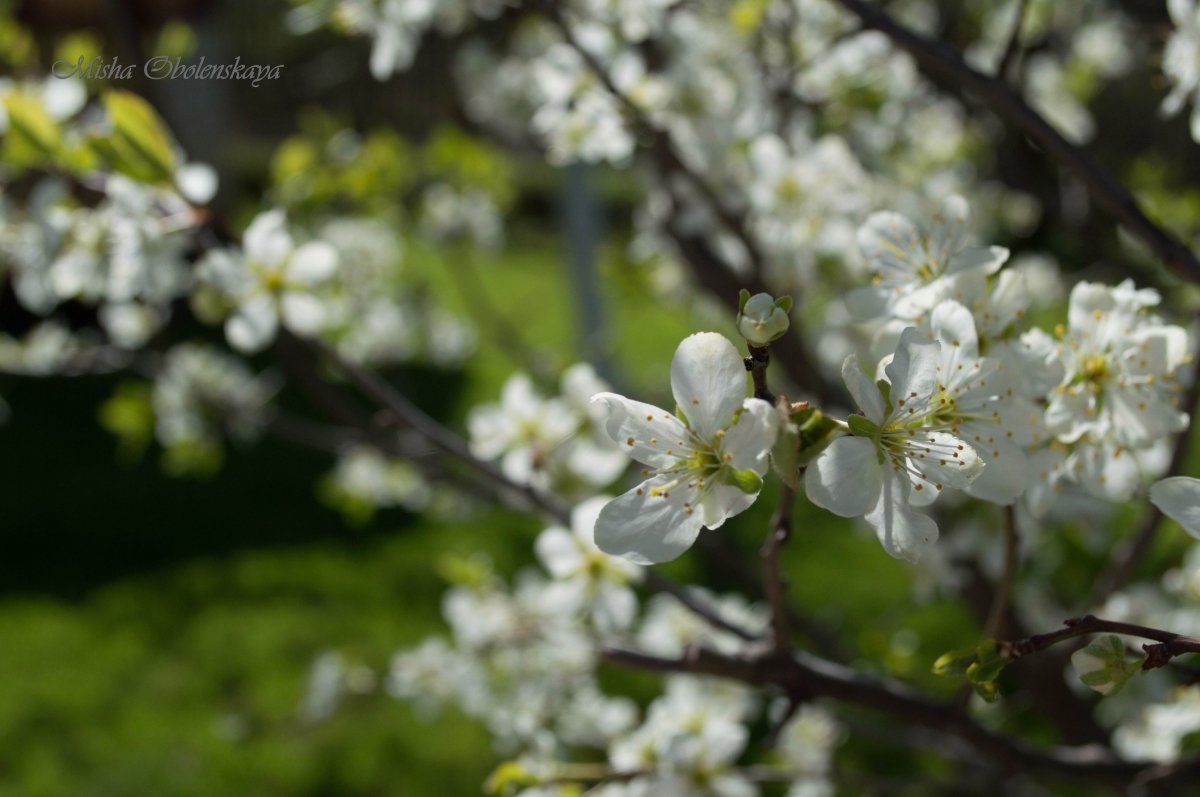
[33, 136]
[1105, 665]
[139, 145]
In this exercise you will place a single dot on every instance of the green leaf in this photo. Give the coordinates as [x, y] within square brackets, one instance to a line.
[988, 690]
[955, 662]
[1105, 664]
[198, 458]
[129, 415]
[465, 571]
[140, 146]
[508, 778]
[33, 135]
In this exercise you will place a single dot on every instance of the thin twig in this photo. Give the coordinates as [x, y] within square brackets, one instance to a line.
[776, 586]
[1169, 644]
[756, 364]
[943, 62]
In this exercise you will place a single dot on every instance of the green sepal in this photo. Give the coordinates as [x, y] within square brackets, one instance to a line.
[679, 414]
[784, 303]
[817, 430]
[743, 297]
[885, 389]
[746, 480]
[785, 455]
[862, 426]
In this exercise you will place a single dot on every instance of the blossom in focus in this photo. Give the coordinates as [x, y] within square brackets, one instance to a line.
[902, 450]
[980, 402]
[703, 466]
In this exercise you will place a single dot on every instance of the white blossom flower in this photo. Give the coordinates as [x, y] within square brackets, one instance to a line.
[1157, 732]
[548, 443]
[201, 391]
[587, 577]
[1119, 369]
[900, 449]
[695, 728]
[270, 282]
[980, 403]
[913, 269]
[704, 466]
[1179, 499]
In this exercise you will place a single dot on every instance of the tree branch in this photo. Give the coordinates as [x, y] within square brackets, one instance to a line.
[803, 674]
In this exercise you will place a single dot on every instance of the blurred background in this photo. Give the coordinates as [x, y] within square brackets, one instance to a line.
[160, 620]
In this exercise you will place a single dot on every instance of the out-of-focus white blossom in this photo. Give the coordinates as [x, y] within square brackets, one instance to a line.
[199, 392]
[547, 442]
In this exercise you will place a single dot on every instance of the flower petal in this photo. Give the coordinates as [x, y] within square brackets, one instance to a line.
[559, 552]
[708, 380]
[750, 439]
[648, 529]
[943, 459]
[913, 371]
[1179, 499]
[253, 326]
[643, 431]
[313, 262]
[303, 313]
[986, 259]
[905, 533]
[863, 390]
[954, 326]
[583, 519]
[846, 477]
[266, 240]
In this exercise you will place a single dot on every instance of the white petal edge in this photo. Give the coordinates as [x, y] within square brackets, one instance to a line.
[1179, 499]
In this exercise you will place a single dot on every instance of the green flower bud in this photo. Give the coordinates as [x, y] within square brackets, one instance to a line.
[763, 318]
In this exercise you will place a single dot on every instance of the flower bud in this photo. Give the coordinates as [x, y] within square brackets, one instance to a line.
[763, 318]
